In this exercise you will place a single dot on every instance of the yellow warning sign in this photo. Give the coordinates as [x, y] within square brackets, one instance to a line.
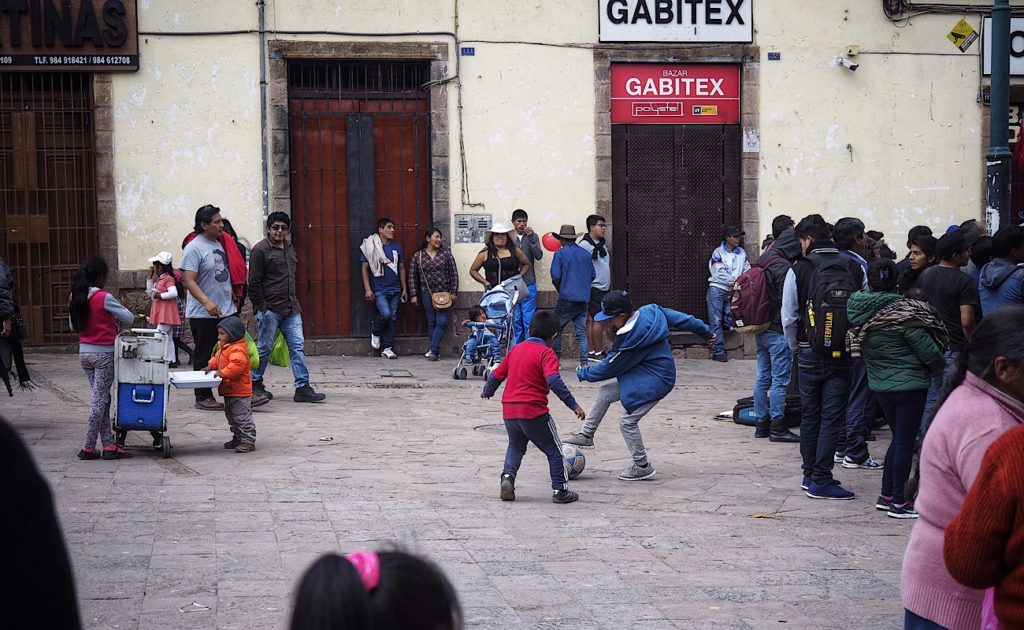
[705, 110]
[962, 35]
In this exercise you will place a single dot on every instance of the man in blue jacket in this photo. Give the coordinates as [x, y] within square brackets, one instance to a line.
[641, 362]
[1002, 279]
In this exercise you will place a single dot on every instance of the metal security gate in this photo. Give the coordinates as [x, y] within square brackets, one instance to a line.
[47, 193]
[674, 187]
[360, 150]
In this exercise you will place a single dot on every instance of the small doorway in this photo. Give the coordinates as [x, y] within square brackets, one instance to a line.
[360, 150]
[47, 193]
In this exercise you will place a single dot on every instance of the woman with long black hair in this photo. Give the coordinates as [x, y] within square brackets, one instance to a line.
[95, 315]
[432, 269]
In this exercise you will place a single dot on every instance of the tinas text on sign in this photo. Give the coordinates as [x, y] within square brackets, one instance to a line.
[676, 21]
[86, 35]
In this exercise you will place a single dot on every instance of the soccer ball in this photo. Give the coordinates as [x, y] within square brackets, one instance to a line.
[575, 462]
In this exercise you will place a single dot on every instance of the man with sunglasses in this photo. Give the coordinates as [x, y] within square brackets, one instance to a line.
[272, 291]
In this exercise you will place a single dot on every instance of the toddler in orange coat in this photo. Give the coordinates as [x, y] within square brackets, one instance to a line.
[231, 362]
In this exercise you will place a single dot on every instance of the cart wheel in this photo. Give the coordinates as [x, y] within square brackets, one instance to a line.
[167, 447]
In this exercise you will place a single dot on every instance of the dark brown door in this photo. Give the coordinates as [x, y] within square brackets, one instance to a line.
[674, 187]
[47, 193]
[360, 151]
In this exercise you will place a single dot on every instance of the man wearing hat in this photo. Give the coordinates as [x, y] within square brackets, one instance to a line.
[727, 263]
[572, 273]
[643, 367]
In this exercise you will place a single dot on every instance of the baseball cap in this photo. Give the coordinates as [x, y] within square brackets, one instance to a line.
[614, 303]
[164, 258]
[732, 230]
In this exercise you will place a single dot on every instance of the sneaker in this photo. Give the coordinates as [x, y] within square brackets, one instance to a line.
[158, 441]
[721, 358]
[832, 491]
[257, 401]
[388, 353]
[305, 394]
[564, 496]
[430, 354]
[806, 483]
[375, 341]
[435, 357]
[882, 503]
[88, 453]
[508, 487]
[258, 388]
[580, 440]
[245, 447]
[209, 404]
[582, 365]
[902, 511]
[637, 473]
[116, 453]
[838, 457]
[232, 443]
[868, 463]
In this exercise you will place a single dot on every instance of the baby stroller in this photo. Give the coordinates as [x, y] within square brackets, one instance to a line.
[498, 304]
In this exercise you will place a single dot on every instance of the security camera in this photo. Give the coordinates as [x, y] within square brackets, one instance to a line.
[846, 63]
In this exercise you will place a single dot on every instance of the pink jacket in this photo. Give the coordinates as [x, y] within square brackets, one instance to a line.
[971, 419]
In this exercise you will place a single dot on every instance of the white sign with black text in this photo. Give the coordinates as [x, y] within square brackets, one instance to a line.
[676, 21]
[1016, 46]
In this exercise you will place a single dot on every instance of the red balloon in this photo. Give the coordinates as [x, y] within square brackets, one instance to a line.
[551, 242]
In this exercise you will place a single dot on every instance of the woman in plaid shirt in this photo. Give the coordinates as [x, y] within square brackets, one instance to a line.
[432, 269]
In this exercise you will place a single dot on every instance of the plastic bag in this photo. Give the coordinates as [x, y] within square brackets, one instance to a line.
[254, 353]
[279, 353]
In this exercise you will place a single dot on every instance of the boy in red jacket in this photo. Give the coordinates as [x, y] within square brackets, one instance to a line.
[531, 368]
[231, 363]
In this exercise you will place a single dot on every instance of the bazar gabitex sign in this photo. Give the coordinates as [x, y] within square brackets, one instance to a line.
[672, 94]
[69, 35]
[704, 21]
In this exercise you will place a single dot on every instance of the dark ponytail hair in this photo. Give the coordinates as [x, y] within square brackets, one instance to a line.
[169, 269]
[1000, 334]
[882, 275]
[92, 273]
[413, 593]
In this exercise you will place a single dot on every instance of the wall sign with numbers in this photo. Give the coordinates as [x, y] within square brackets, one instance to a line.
[69, 35]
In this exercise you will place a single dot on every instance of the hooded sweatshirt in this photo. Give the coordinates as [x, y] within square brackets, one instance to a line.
[641, 357]
[777, 262]
[1002, 283]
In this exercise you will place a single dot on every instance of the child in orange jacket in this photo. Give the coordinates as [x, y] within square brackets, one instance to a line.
[231, 363]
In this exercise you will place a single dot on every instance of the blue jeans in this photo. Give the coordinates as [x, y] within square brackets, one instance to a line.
[575, 312]
[774, 365]
[859, 413]
[491, 341]
[824, 394]
[917, 622]
[544, 435]
[525, 309]
[719, 316]
[290, 326]
[437, 323]
[903, 412]
[936, 388]
[384, 322]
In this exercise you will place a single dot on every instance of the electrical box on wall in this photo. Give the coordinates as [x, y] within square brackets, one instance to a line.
[470, 228]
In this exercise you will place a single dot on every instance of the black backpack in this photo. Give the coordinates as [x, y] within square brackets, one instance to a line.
[824, 316]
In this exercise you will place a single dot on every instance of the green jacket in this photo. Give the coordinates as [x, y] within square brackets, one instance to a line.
[899, 359]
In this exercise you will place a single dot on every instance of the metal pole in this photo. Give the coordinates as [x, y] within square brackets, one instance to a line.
[265, 138]
[999, 159]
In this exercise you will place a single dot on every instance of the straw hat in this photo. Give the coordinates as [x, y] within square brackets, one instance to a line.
[498, 228]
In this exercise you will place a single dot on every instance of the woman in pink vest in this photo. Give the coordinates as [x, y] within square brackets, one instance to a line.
[94, 316]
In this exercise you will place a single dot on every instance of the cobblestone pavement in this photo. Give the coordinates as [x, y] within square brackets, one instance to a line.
[722, 537]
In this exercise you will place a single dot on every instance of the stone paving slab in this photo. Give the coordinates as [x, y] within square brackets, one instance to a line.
[401, 453]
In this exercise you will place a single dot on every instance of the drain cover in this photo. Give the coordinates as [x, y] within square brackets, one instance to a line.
[491, 428]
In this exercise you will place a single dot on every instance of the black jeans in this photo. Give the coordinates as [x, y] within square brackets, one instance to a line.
[544, 435]
[903, 412]
[204, 336]
[824, 394]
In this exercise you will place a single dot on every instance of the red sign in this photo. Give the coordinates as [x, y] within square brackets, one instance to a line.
[672, 94]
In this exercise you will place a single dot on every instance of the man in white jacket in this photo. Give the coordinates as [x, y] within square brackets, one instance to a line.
[727, 263]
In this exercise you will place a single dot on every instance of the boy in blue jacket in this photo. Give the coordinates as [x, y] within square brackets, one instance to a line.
[641, 362]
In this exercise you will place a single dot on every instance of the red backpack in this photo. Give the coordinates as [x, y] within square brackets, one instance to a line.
[750, 307]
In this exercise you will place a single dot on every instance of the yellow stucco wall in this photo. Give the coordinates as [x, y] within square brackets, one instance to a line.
[898, 142]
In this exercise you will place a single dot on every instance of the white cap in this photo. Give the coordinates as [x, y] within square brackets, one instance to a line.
[164, 258]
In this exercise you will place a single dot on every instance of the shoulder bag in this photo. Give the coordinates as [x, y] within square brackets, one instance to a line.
[442, 300]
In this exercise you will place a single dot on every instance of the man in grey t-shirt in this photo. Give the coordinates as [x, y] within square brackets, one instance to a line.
[204, 273]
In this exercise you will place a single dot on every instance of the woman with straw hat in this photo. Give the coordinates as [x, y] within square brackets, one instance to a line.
[500, 258]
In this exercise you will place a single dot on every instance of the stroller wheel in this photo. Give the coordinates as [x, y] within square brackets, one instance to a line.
[455, 373]
[462, 373]
[487, 373]
[476, 370]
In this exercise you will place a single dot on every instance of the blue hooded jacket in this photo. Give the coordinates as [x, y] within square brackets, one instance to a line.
[641, 357]
[1002, 283]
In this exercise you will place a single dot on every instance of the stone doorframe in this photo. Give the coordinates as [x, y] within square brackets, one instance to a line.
[280, 51]
[745, 55]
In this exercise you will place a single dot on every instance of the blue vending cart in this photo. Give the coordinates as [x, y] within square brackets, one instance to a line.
[141, 384]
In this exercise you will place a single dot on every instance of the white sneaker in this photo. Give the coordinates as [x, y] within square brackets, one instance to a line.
[429, 354]
[375, 341]
[388, 353]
